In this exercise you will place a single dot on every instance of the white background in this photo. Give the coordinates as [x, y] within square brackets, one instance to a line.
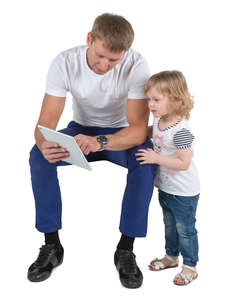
[182, 35]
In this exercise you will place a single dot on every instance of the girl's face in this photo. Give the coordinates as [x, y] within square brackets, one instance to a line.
[159, 104]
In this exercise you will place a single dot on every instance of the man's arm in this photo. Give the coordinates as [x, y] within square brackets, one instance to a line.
[150, 131]
[51, 110]
[135, 134]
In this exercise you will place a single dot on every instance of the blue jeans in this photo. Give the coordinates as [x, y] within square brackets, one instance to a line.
[180, 232]
[137, 195]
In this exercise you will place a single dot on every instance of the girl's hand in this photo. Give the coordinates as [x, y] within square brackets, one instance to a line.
[147, 156]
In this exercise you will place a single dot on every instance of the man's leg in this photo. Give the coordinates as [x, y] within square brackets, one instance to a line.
[134, 215]
[48, 205]
[45, 185]
[137, 195]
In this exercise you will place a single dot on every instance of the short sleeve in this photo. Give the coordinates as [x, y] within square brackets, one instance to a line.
[139, 76]
[183, 139]
[56, 78]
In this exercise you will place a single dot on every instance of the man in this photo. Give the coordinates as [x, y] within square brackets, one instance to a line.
[110, 116]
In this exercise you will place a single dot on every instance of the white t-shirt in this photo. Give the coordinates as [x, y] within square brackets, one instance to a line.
[166, 142]
[98, 100]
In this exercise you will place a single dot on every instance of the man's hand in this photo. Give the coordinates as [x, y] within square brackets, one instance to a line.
[87, 143]
[53, 152]
[147, 156]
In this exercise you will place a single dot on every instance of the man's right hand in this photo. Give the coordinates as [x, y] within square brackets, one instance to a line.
[53, 152]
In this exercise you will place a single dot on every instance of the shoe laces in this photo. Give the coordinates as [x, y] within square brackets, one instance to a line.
[45, 252]
[128, 263]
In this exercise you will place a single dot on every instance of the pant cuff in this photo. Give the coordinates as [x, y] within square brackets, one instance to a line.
[189, 264]
[172, 253]
[48, 229]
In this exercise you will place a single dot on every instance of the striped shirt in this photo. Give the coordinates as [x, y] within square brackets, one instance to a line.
[167, 142]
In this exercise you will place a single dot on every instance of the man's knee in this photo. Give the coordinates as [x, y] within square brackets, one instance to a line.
[146, 169]
[36, 159]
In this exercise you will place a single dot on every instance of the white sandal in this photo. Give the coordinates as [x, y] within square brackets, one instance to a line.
[157, 264]
[186, 278]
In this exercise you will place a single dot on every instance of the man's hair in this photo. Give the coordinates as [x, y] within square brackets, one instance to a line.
[114, 30]
[173, 85]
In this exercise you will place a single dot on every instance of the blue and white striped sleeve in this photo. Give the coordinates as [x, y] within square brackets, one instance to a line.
[183, 139]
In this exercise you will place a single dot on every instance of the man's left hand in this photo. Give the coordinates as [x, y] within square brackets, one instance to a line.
[87, 143]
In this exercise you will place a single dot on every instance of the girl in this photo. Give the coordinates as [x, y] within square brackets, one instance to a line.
[177, 178]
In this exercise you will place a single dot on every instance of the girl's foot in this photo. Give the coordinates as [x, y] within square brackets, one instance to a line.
[164, 263]
[186, 275]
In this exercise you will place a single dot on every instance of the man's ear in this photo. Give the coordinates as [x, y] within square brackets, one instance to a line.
[88, 40]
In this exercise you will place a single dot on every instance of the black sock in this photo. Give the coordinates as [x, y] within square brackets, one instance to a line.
[52, 238]
[126, 243]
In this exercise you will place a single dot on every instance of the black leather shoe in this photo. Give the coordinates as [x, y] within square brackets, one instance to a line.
[50, 256]
[130, 275]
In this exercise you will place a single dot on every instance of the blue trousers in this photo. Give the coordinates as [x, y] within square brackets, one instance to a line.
[137, 195]
[180, 232]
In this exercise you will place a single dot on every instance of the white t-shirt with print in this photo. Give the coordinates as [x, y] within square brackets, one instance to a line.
[166, 142]
[98, 100]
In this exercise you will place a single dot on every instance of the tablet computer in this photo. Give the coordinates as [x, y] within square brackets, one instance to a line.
[68, 142]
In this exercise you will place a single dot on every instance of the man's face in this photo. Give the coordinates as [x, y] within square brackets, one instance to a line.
[99, 58]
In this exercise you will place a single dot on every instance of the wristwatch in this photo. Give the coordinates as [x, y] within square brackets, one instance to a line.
[102, 139]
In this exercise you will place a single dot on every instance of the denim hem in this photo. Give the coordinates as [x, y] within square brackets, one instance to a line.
[190, 264]
[170, 253]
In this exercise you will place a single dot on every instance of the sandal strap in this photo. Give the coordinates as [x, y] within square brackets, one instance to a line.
[185, 277]
[158, 264]
[172, 259]
[193, 269]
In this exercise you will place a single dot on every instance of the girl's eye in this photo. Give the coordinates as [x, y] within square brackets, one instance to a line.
[153, 100]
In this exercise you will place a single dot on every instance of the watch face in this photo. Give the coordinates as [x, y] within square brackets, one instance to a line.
[103, 138]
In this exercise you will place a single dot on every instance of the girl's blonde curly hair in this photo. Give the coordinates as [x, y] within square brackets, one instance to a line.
[173, 85]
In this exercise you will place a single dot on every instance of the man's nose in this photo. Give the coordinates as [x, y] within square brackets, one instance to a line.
[104, 64]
